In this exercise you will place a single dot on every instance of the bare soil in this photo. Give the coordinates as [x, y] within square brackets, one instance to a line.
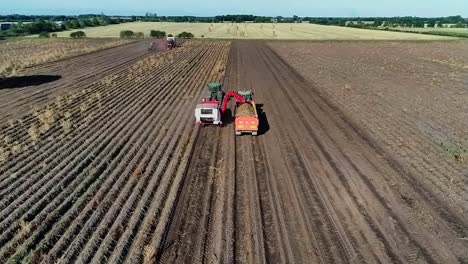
[39, 85]
[316, 187]
[117, 172]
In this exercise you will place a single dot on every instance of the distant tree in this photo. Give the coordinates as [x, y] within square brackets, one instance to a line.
[78, 35]
[139, 35]
[95, 21]
[44, 35]
[186, 35]
[75, 24]
[87, 23]
[126, 34]
[157, 34]
[54, 35]
[19, 28]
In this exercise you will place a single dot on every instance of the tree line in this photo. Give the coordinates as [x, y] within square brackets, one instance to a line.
[129, 34]
[336, 21]
[389, 21]
[30, 25]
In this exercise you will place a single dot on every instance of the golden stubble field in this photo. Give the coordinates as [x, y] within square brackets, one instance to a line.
[254, 31]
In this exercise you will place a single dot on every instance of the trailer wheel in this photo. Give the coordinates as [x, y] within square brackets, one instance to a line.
[254, 133]
[238, 133]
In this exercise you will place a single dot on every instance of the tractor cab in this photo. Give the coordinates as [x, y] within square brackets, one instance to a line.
[247, 94]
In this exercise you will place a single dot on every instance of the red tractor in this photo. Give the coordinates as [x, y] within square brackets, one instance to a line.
[161, 44]
[171, 42]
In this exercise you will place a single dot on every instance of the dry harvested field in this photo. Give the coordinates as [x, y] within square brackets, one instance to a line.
[356, 162]
[17, 55]
[462, 31]
[253, 31]
[34, 87]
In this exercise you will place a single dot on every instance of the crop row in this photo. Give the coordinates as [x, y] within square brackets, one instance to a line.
[111, 171]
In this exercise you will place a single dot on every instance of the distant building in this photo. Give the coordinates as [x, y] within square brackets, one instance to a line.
[6, 25]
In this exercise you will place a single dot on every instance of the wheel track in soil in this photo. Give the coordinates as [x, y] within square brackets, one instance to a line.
[451, 222]
[418, 243]
[314, 188]
[418, 157]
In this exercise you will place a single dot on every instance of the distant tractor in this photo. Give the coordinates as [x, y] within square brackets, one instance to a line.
[171, 42]
[168, 43]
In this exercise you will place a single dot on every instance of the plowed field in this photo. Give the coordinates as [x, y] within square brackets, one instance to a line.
[114, 169]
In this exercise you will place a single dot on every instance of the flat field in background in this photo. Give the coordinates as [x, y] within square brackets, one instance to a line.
[445, 30]
[253, 31]
[22, 53]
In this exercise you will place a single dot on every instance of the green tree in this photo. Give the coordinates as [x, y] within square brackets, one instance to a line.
[186, 35]
[78, 35]
[19, 28]
[44, 35]
[96, 22]
[157, 34]
[125, 34]
[139, 35]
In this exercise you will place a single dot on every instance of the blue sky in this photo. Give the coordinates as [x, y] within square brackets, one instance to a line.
[257, 7]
